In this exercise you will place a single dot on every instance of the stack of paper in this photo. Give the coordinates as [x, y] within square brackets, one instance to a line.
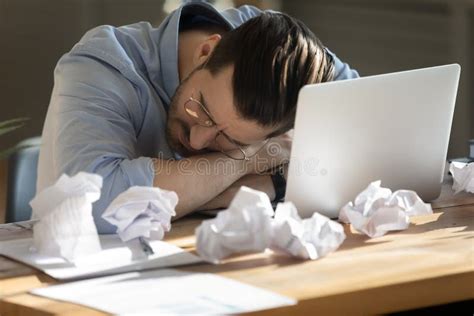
[115, 257]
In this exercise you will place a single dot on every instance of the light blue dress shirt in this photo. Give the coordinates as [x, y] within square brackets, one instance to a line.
[108, 108]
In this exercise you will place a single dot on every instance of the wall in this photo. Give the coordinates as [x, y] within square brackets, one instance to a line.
[386, 36]
[374, 36]
[34, 34]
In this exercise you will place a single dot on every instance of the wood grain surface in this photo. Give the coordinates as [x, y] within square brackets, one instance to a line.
[430, 263]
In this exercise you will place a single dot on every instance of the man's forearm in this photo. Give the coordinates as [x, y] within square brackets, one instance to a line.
[258, 182]
[198, 179]
[222, 200]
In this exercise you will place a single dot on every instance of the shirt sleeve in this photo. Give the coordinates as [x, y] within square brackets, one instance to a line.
[95, 117]
[240, 15]
[342, 70]
[244, 13]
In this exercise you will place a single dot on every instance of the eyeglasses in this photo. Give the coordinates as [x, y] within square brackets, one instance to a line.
[195, 109]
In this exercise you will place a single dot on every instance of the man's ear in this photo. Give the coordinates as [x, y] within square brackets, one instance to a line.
[205, 49]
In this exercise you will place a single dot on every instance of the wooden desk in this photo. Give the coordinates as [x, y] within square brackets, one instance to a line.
[430, 263]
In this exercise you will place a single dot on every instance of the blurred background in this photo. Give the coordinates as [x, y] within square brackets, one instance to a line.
[374, 36]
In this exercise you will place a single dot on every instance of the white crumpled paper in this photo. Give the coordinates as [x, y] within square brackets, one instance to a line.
[377, 210]
[463, 176]
[310, 238]
[243, 227]
[247, 226]
[142, 212]
[65, 226]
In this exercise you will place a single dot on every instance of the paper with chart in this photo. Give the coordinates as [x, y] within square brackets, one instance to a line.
[168, 292]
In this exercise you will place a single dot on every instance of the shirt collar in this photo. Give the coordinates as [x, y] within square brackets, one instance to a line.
[168, 48]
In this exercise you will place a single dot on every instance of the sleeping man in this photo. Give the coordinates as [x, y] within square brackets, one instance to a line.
[200, 105]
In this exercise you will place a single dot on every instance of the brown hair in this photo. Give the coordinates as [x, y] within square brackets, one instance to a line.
[274, 55]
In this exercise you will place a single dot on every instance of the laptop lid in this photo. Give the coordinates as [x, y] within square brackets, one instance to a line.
[393, 127]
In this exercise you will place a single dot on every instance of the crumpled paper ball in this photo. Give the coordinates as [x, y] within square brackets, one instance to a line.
[377, 210]
[65, 226]
[463, 176]
[243, 227]
[247, 226]
[310, 238]
[142, 212]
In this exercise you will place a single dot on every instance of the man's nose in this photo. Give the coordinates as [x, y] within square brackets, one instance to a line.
[201, 137]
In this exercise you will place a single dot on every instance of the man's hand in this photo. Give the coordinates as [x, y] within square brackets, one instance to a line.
[211, 180]
[274, 153]
[255, 181]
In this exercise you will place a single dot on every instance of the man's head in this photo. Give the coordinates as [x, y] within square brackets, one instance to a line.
[248, 81]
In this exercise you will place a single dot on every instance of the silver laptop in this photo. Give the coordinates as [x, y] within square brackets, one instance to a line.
[391, 127]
